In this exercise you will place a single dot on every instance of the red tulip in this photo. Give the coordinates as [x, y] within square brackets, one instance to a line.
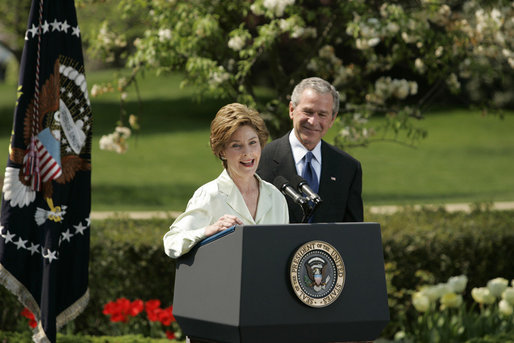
[166, 316]
[27, 314]
[154, 315]
[30, 316]
[32, 323]
[110, 308]
[136, 307]
[152, 304]
[170, 334]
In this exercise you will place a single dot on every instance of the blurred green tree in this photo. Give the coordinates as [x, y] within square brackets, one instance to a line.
[13, 24]
[387, 58]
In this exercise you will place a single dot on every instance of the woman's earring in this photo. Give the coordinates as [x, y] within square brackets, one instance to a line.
[222, 158]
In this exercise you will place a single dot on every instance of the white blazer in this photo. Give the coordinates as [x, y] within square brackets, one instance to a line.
[215, 199]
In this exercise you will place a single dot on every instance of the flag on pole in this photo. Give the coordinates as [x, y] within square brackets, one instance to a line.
[46, 195]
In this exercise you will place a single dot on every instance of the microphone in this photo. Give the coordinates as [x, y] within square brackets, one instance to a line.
[281, 183]
[303, 187]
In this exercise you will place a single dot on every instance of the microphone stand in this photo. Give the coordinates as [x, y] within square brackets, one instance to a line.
[308, 203]
[308, 210]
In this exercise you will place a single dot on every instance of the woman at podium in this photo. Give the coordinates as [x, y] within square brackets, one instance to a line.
[238, 196]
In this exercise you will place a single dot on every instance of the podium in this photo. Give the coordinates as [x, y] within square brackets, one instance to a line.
[239, 288]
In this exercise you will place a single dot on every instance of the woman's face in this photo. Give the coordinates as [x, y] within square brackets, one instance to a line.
[242, 152]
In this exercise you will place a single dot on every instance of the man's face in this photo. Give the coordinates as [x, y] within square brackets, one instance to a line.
[312, 117]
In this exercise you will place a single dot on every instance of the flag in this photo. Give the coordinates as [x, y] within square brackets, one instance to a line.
[46, 195]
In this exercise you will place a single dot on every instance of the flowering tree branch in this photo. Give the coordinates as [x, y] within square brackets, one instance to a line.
[386, 59]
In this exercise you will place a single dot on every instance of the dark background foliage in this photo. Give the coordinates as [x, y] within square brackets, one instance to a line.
[420, 246]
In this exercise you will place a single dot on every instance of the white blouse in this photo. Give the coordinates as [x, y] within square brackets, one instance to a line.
[215, 199]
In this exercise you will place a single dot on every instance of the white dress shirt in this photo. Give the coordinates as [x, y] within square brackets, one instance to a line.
[215, 199]
[299, 152]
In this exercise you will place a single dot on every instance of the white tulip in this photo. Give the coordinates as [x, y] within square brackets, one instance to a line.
[505, 308]
[458, 283]
[497, 286]
[421, 302]
[451, 300]
[482, 295]
[508, 295]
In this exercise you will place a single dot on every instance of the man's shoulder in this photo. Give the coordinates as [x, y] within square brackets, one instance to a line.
[332, 150]
[276, 154]
[276, 145]
[278, 141]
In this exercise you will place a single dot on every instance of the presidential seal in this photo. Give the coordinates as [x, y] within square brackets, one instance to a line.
[317, 274]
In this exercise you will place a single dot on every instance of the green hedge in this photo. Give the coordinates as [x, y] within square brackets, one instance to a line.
[26, 337]
[127, 259]
[507, 337]
[479, 244]
[430, 245]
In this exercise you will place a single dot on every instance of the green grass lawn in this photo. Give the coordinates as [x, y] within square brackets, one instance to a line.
[465, 158]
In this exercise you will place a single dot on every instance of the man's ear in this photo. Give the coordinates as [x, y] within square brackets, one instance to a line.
[333, 121]
[291, 109]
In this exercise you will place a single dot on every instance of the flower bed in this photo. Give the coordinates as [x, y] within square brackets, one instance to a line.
[441, 315]
[124, 312]
[420, 247]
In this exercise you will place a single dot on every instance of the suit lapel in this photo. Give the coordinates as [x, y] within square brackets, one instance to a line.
[284, 158]
[285, 166]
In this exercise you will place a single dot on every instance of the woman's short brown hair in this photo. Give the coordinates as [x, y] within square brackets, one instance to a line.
[228, 119]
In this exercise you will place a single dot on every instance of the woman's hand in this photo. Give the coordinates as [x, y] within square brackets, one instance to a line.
[223, 223]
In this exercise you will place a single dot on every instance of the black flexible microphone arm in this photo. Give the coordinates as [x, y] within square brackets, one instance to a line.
[303, 187]
[308, 204]
[283, 185]
[307, 210]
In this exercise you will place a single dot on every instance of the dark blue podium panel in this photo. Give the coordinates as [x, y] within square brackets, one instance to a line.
[238, 288]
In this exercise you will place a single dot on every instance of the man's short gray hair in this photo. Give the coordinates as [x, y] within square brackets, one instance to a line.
[320, 86]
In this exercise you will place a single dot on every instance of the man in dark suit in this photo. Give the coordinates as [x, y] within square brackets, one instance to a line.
[332, 173]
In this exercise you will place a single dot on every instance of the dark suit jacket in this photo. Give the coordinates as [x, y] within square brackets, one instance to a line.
[340, 185]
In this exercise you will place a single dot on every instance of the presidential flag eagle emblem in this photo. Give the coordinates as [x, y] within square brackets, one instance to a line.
[46, 193]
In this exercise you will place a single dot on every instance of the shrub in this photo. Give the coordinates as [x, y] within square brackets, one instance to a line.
[438, 313]
[478, 244]
[127, 260]
[431, 245]
[26, 337]
[507, 337]
[420, 246]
